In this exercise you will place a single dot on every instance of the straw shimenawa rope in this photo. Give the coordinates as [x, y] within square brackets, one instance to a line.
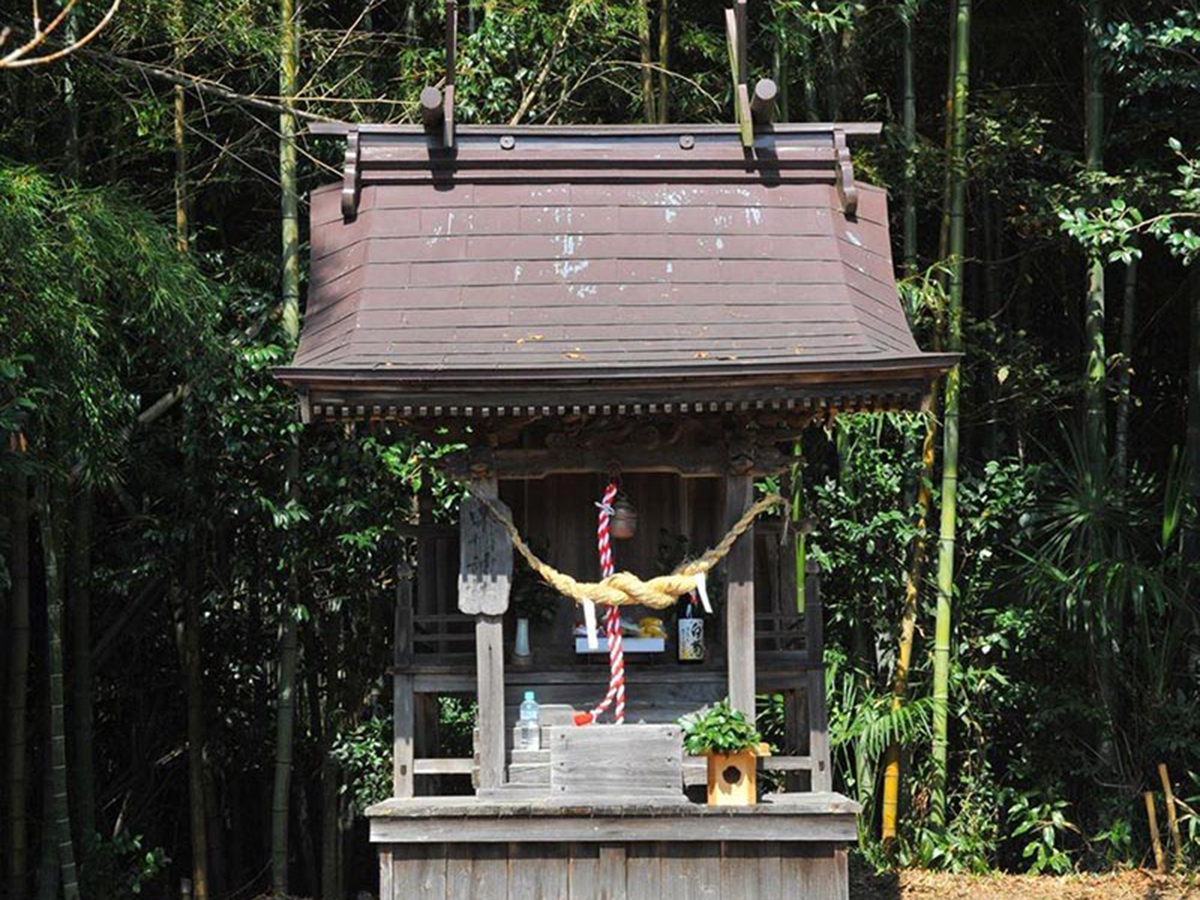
[625, 588]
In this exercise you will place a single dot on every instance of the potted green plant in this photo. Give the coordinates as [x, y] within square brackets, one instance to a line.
[732, 746]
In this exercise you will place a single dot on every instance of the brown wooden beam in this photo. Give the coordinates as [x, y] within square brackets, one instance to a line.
[818, 714]
[739, 605]
[672, 131]
[489, 665]
[689, 462]
[403, 708]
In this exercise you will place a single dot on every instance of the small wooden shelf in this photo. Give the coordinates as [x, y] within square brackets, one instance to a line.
[631, 645]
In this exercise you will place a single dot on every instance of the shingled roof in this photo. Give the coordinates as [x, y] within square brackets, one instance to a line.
[578, 268]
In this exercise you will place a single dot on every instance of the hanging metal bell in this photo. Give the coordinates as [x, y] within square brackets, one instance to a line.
[623, 524]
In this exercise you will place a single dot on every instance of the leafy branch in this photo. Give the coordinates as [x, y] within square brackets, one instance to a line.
[1113, 229]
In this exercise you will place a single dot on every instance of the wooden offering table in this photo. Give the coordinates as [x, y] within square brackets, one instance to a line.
[450, 848]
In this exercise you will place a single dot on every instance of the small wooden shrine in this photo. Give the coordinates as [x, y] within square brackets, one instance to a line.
[663, 308]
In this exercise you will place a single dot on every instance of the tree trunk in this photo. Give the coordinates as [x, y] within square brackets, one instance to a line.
[289, 63]
[949, 520]
[330, 781]
[188, 635]
[1125, 373]
[218, 862]
[284, 725]
[18, 681]
[664, 60]
[647, 70]
[1095, 372]
[49, 876]
[82, 716]
[52, 516]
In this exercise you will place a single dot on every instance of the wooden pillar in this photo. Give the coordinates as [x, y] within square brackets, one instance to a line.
[818, 714]
[739, 605]
[489, 657]
[403, 718]
[484, 580]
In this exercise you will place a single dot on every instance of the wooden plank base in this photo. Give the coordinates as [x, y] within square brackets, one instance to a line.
[648, 870]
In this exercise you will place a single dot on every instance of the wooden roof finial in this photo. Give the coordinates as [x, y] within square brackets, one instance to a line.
[735, 32]
[437, 107]
[451, 62]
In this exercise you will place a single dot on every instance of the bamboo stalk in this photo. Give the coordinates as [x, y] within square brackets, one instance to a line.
[664, 60]
[79, 603]
[1096, 371]
[285, 714]
[1172, 820]
[1160, 860]
[52, 516]
[647, 68]
[910, 143]
[949, 512]
[1125, 372]
[908, 627]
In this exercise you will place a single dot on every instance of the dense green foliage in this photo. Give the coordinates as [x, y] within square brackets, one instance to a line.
[135, 381]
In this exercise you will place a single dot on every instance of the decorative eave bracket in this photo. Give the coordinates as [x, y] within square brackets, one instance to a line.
[847, 189]
[351, 175]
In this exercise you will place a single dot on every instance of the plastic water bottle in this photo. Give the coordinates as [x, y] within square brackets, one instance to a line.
[529, 730]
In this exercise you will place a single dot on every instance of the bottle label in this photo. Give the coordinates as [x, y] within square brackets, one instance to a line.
[691, 639]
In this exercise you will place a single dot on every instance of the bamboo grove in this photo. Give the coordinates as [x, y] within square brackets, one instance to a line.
[196, 595]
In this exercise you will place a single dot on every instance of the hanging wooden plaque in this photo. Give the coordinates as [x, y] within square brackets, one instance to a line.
[486, 561]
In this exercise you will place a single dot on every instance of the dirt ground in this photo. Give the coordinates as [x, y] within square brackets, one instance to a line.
[916, 885]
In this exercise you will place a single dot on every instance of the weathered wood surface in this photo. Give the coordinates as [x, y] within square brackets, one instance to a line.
[443, 766]
[818, 714]
[404, 728]
[616, 870]
[466, 807]
[598, 826]
[485, 555]
[686, 462]
[403, 712]
[739, 605]
[489, 654]
[606, 761]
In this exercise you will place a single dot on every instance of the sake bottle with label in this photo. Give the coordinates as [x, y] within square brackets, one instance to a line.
[691, 633]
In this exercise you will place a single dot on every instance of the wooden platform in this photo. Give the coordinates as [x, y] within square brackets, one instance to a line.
[463, 848]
